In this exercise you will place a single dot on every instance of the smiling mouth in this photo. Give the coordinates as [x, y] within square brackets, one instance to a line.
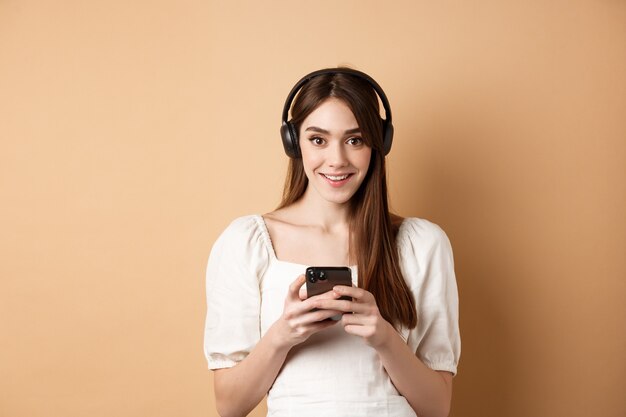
[336, 177]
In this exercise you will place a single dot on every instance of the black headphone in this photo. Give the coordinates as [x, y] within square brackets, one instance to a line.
[288, 131]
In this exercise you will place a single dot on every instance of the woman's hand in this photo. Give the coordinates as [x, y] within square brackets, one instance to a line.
[365, 320]
[298, 322]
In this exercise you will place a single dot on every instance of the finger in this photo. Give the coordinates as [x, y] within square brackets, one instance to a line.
[353, 319]
[303, 307]
[320, 325]
[328, 295]
[316, 315]
[312, 303]
[345, 306]
[359, 294]
[357, 330]
[294, 288]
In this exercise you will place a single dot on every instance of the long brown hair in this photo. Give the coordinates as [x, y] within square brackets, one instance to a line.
[373, 228]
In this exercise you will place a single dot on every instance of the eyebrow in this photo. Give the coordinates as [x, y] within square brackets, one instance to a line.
[320, 130]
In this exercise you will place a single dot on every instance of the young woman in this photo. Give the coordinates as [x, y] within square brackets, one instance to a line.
[396, 347]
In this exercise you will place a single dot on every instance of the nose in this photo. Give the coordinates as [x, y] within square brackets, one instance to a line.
[336, 156]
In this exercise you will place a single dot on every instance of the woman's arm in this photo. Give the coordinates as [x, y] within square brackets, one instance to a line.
[240, 388]
[428, 392]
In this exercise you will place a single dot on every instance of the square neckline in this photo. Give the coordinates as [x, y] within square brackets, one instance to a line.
[270, 246]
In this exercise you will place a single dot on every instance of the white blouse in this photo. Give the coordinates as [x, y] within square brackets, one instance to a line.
[332, 373]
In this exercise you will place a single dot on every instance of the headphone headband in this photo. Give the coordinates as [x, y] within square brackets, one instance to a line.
[349, 71]
[288, 131]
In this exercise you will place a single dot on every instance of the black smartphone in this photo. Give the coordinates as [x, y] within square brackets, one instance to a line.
[321, 279]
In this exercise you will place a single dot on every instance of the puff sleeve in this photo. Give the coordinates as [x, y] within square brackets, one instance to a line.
[428, 267]
[232, 327]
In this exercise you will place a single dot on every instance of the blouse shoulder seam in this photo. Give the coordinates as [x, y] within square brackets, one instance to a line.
[252, 225]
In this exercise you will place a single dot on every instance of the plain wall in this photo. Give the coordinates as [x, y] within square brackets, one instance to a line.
[132, 133]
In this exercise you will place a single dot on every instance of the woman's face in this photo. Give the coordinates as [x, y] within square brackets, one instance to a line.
[334, 156]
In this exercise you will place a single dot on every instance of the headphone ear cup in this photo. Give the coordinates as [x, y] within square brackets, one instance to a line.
[295, 141]
[290, 140]
[387, 137]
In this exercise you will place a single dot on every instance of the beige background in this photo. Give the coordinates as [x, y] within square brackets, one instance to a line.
[132, 133]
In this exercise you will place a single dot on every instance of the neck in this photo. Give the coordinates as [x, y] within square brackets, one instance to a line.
[324, 214]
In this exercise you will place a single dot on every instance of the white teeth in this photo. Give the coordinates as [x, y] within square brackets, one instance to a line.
[336, 177]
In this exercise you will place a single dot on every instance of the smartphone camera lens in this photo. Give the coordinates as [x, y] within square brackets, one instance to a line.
[322, 275]
[312, 277]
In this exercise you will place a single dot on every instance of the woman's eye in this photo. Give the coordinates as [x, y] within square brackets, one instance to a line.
[355, 141]
[317, 140]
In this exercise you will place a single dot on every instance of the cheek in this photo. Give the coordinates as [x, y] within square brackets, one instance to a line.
[308, 170]
[310, 161]
[364, 159]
